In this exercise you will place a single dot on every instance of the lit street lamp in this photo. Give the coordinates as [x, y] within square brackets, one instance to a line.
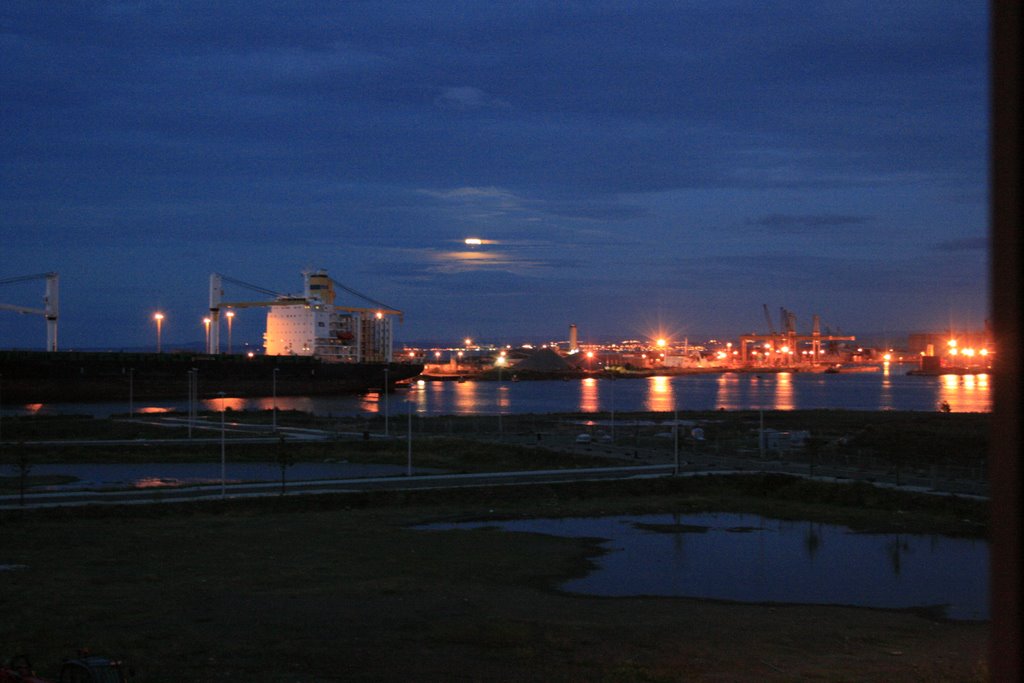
[230, 316]
[500, 362]
[159, 318]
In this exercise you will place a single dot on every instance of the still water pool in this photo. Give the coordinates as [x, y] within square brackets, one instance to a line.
[749, 558]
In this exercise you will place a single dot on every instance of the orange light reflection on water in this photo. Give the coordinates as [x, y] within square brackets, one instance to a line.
[465, 398]
[154, 483]
[726, 389]
[155, 410]
[966, 393]
[589, 400]
[661, 395]
[214, 404]
[783, 391]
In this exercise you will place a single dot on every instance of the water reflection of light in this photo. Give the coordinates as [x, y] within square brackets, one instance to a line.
[466, 401]
[420, 397]
[33, 407]
[154, 482]
[885, 400]
[228, 403]
[503, 399]
[156, 410]
[372, 402]
[965, 393]
[726, 388]
[660, 394]
[783, 391]
[589, 399]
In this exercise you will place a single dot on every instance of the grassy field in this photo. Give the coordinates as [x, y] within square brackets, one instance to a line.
[342, 588]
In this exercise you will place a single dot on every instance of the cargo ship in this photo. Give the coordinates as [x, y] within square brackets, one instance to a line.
[313, 347]
[78, 377]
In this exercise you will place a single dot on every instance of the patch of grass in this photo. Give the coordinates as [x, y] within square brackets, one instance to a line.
[327, 587]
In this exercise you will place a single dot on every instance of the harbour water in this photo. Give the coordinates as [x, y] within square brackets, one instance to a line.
[749, 558]
[889, 388]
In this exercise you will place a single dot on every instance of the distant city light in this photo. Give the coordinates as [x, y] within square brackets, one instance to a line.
[474, 241]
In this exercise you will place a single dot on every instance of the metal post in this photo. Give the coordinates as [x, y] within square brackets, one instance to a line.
[675, 438]
[386, 401]
[408, 466]
[131, 392]
[191, 394]
[223, 478]
[501, 431]
[612, 380]
[760, 434]
[273, 413]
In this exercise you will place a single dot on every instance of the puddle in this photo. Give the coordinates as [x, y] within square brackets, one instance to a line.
[748, 558]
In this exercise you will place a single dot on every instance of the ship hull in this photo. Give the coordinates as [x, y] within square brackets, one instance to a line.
[42, 377]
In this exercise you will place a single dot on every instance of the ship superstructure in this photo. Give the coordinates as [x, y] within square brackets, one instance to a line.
[313, 324]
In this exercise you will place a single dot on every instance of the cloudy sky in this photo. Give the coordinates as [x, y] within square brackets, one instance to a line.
[630, 166]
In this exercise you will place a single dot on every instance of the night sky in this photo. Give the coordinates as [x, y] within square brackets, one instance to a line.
[636, 168]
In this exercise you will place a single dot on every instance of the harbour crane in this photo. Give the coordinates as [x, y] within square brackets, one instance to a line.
[789, 334]
[50, 304]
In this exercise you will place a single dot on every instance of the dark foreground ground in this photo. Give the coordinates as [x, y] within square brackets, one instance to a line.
[341, 588]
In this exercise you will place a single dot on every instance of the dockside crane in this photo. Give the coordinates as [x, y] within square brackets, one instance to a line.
[788, 333]
[50, 309]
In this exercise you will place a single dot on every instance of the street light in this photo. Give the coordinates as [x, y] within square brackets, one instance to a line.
[231, 316]
[500, 362]
[206, 324]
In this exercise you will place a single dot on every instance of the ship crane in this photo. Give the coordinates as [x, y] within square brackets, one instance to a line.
[50, 304]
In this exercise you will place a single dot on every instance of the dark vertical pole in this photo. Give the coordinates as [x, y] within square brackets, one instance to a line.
[1008, 412]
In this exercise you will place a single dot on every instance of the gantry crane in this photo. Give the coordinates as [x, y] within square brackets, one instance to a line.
[50, 304]
[788, 336]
